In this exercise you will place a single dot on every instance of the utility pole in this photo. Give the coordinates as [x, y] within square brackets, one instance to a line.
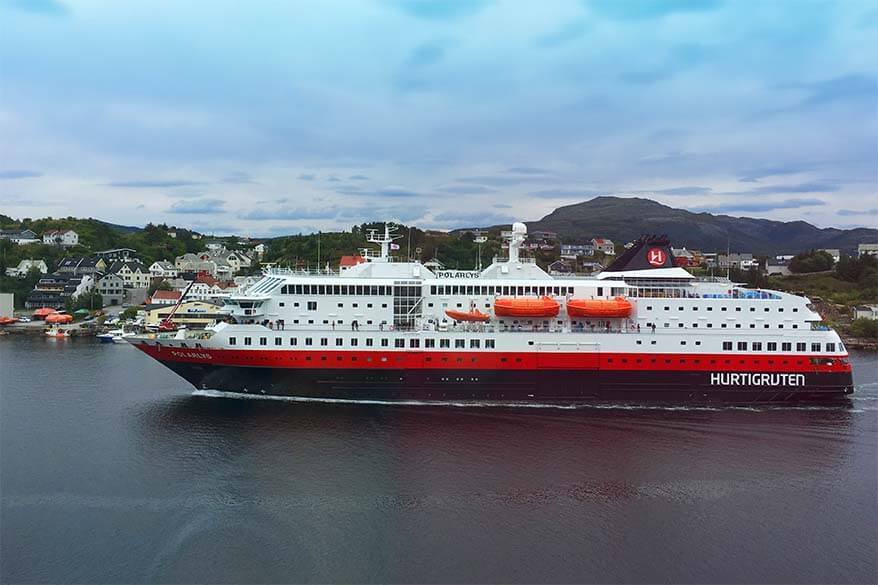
[318, 251]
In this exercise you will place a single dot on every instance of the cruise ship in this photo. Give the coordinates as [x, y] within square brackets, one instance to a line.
[642, 330]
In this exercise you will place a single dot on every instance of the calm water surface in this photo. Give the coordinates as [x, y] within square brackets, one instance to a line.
[112, 471]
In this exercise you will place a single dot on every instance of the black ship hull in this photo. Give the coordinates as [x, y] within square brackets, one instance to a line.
[538, 386]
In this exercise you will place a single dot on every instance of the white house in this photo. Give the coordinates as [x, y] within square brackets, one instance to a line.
[163, 269]
[867, 250]
[866, 312]
[134, 274]
[166, 297]
[834, 252]
[19, 237]
[26, 266]
[65, 238]
[112, 289]
[572, 251]
[604, 245]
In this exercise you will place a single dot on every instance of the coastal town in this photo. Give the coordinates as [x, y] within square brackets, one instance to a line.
[88, 291]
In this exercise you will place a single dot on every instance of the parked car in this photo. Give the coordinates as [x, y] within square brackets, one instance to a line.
[24, 319]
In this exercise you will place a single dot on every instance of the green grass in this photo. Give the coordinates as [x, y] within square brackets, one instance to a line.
[828, 287]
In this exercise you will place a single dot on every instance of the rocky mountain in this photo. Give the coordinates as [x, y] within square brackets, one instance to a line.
[624, 219]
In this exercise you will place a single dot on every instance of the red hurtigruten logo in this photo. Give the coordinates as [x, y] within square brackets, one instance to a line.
[656, 256]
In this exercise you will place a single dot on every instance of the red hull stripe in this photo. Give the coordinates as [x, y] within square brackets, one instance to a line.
[493, 360]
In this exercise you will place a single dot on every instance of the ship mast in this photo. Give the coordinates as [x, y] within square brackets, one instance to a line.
[385, 241]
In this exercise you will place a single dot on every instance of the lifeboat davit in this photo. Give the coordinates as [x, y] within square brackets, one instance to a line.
[59, 318]
[617, 308]
[475, 315]
[526, 307]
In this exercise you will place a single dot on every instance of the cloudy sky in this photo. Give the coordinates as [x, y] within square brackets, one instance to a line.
[267, 118]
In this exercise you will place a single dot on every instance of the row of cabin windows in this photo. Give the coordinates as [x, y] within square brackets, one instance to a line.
[370, 342]
[337, 289]
[772, 346]
[725, 325]
[504, 290]
[737, 309]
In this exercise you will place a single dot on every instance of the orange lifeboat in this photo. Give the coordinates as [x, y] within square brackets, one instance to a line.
[59, 318]
[43, 312]
[473, 315]
[526, 307]
[7, 320]
[617, 308]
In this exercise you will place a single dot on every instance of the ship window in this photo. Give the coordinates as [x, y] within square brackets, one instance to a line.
[282, 304]
[247, 341]
[752, 325]
[384, 343]
[444, 343]
[710, 325]
[742, 346]
[695, 325]
[278, 340]
[399, 343]
[738, 309]
[433, 290]
[474, 343]
[766, 326]
[293, 341]
[369, 342]
[766, 309]
[263, 341]
[639, 342]
[649, 308]
[600, 291]
[338, 341]
[757, 346]
[429, 343]
[786, 346]
[414, 342]
[354, 342]
[298, 289]
[801, 346]
[710, 308]
[727, 346]
[667, 308]
[771, 346]
[780, 326]
[795, 326]
[373, 290]
[737, 325]
[723, 308]
[752, 309]
[312, 305]
[309, 341]
[815, 347]
[341, 305]
[682, 343]
[459, 343]
[694, 308]
[795, 310]
[489, 344]
[680, 325]
[324, 341]
[830, 347]
[355, 305]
